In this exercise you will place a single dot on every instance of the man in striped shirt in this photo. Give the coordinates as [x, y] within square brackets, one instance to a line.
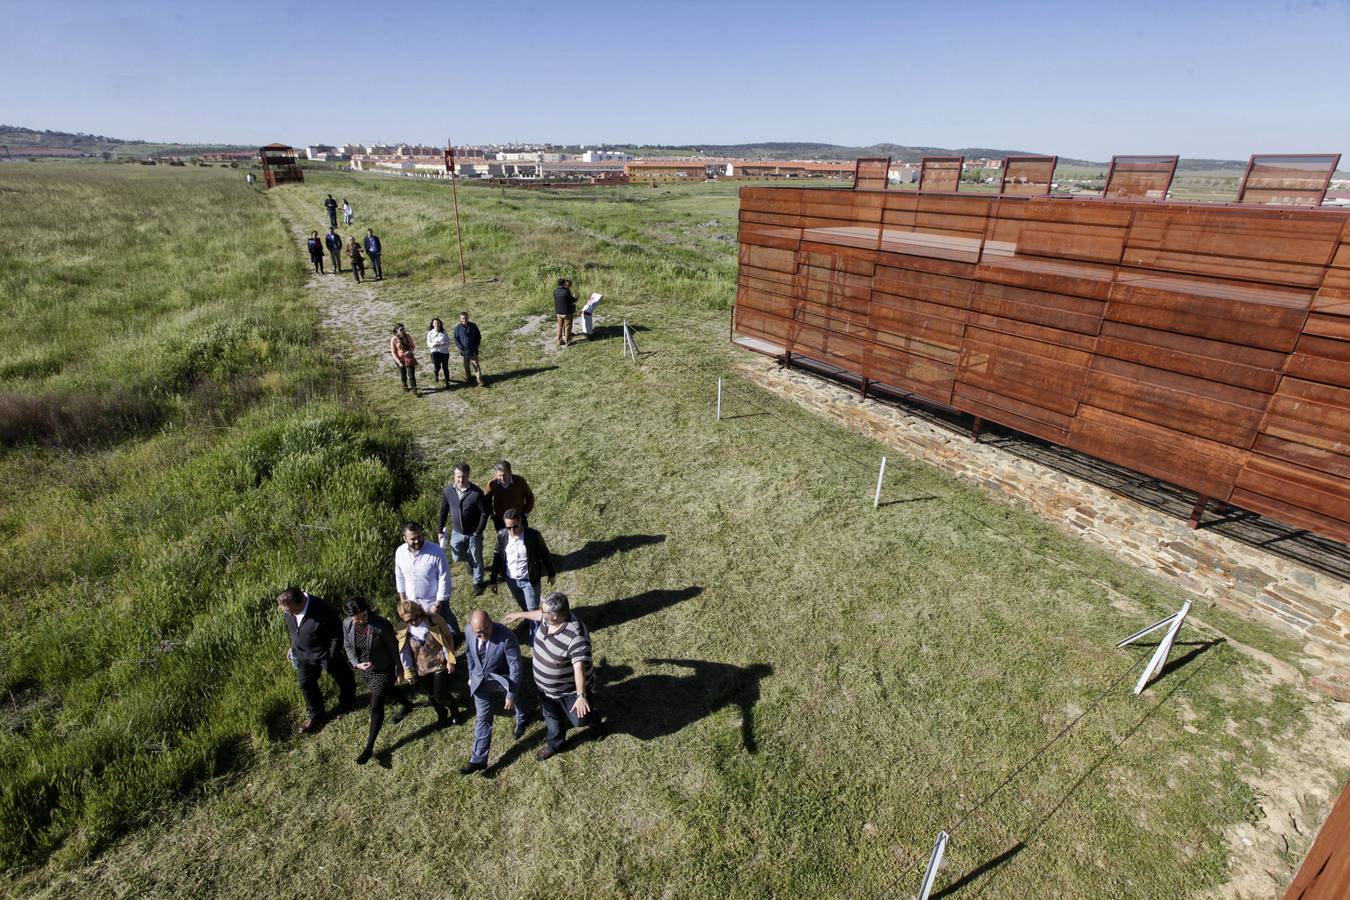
[563, 673]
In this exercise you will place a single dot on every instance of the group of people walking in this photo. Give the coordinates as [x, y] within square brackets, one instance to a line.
[357, 253]
[420, 652]
[466, 338]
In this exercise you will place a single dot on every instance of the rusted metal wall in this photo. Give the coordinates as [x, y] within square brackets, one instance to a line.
[1325, 873]
[1207, 345]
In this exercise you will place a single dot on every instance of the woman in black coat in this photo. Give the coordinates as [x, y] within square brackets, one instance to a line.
[373, 651]
[316, 251]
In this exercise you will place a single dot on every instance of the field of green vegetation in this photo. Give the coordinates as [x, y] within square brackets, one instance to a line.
[802, 689]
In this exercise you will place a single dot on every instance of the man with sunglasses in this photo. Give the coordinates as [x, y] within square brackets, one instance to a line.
[521, 558]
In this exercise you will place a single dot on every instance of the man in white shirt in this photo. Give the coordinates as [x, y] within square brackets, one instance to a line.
[422, 575]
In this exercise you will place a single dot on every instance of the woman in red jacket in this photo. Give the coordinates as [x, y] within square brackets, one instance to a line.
[401, 348]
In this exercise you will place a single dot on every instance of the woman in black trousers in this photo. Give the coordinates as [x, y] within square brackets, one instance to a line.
[372, 650]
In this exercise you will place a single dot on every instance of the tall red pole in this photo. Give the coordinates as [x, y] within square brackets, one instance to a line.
[454, 194]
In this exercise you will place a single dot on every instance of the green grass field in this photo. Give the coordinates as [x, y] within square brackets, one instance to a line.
[803, 689]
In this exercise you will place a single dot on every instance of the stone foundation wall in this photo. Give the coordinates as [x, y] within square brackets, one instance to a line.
[1284, 595]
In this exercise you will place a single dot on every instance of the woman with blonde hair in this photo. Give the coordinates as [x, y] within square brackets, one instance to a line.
[427, 650]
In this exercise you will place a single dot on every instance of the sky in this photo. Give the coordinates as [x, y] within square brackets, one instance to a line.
[1081, 80]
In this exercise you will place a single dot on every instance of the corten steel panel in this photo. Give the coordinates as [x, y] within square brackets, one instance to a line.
[1299, 179]
[1205, 345]
[941, 173]
[871, 173]
[1028, 176]
[1141, 177]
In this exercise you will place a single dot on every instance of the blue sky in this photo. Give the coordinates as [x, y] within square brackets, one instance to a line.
[1082, 80]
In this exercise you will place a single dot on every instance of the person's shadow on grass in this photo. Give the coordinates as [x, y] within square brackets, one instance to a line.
[626, 609]
[594, 551]
[659, 704]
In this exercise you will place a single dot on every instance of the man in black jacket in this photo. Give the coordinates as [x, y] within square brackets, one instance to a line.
[468, 339]
[564, 307]
[333, 241]
[331, 205]
[465, 505]
[521, 558]
[316, 644]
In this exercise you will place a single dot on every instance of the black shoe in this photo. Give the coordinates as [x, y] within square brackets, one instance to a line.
[401, 715]
[471, 767]
[364, 757]
[344, 708]
[478, 589]
[545, 753]
[519, 730]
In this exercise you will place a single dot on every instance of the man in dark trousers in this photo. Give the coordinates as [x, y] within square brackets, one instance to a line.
[564, 307]
[333, 241]
[331, 205]
[373, 251]
[468, 339]
[464, 504]
[521, 559]
[316, 645]
[493, 655]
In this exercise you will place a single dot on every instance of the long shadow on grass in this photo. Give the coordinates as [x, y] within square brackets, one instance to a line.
[499, 377]
[593, 551]
[1199, 648]
[626, 609]
[657, 705]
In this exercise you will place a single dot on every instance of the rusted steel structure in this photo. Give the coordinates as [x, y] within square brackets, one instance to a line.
[1028, 176]
[280, 165]
[941, 173]
[871, 173]
[1204, 344]
[1142, 177]
[1289, 180]
[1325, 873]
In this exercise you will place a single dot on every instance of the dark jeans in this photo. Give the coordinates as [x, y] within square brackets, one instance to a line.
[358, 269]
[318, 262]
[489, 694]
[382, 689]
[336, 257]
[332, 217]
[409, 376]
[440, 363]
[307, 674]
[375, 266]
[558, 715]
[437, 687]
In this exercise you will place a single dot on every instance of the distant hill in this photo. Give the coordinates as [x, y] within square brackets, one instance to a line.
[897, 152]
[27, 141]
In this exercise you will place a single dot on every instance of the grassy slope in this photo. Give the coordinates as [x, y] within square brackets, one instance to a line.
[136, 632]
[899, 664]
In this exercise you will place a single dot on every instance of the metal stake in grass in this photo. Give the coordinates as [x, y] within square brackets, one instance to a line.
[876, 500]
[1164, 647]
[934, 862]
[719, 399]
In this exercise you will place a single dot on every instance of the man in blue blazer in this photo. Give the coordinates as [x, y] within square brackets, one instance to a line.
[493, 654]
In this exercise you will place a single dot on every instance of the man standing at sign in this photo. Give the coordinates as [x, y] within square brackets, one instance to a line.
[422, 575]
[564, 307]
